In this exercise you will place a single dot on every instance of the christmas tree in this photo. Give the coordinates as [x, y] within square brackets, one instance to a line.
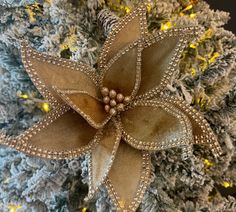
[74, 30]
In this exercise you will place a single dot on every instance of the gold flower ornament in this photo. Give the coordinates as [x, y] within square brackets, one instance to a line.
[119, 114]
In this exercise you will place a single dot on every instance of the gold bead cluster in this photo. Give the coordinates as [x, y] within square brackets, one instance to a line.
[114, 102]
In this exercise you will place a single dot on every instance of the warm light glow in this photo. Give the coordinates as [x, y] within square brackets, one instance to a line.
[193, 72]
[13, 208]
[208, 163]
[189, 7]
[227, 184]
[166, 26]
[192, 15]
[23, 96]
[45, 107]
[84, 210]
[149, 8]
[214, 57]
[127, 9]
[193, 45]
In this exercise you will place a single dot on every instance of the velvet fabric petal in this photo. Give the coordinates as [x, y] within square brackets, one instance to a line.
[155, 125]
[87, 105]
[62, 133]
[47, 71]
[160, 58]
[102, 155]
[128, 177]
[202, 132]
[129, 29]
[123, 72]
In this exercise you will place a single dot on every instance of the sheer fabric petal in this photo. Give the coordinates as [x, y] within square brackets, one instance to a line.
[102, 156]
[62, 133]
[128, 177]
[155, 125]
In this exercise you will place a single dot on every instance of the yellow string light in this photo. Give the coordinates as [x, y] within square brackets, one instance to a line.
[13, 208]
[22, 95]
[208, 163]
[45, 107]
[227, 184]
[193, 72]
[166, 26]
[194, 45]
[189, 7]
[127, 9]
[214, 57]
[183, 12]
[192, 15]
[149, 8]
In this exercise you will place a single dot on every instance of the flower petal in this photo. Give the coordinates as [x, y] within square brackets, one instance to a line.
[160, 58]
[102, 156]
[63, 133]
[128, 177]
[87, 105]
[202, 132]
[46, 71]
[123, 72]
[129, 29]
[155, 125]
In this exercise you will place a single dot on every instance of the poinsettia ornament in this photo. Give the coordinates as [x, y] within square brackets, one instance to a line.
[117, 115]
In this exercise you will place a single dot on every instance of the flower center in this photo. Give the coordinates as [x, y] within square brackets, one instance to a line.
[114, 102]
